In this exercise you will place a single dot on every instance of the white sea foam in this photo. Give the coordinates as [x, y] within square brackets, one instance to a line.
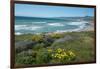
[19, 27]
[35, 27]
[77, 23]
[55, 24]
[72, 30]
[27, 27]
[79, 26]
[18, 33]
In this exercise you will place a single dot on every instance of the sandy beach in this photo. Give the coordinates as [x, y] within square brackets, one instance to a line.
[90, 27]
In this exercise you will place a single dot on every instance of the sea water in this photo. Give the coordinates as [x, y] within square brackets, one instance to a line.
[32, 25]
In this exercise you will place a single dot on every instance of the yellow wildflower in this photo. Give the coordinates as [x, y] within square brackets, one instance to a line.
[59, 57]
[49, 50]
[71, 53]
[59, 50]
[64, 53]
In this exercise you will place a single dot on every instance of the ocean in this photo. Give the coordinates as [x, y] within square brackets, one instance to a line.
[33, 25]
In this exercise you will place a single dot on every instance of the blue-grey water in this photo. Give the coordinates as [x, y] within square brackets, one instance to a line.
[26, 25]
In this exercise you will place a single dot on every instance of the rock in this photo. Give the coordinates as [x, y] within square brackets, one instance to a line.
[26, 53]
[66, 38]
[47, 38]
[24, 45]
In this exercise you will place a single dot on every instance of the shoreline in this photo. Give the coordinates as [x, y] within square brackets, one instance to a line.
[90, 27]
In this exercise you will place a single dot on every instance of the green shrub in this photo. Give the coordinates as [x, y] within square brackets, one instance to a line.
[24, 37]
[38, 46]
[43, 57]
[56, 35]
[26, 57]
[45, 52]
[37, 38]
[25, 60]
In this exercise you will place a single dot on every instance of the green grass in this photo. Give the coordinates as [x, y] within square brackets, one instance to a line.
[25, 37]
[82, 46]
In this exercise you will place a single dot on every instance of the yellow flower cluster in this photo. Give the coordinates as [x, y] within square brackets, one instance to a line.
[71, 53]
[62, 54]
[37, 38]
[49, 50]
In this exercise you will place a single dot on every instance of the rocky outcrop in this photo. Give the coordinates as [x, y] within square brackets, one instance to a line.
[66, 38]
[24, 45]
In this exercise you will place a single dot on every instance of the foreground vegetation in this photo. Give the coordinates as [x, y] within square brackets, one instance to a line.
[71, 47]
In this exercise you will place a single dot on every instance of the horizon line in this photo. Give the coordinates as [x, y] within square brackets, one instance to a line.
[55, 17]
